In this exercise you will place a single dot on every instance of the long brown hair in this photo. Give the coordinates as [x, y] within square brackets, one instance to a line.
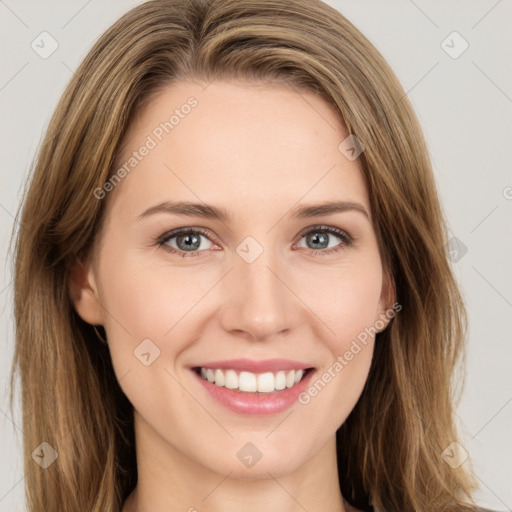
[390, 447]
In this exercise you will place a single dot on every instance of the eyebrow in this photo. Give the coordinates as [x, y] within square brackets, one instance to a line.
[213, 212]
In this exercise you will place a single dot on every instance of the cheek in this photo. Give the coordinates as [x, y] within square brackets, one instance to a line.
[145, 296]
[348, 304]
[144, 302]
[345, 298]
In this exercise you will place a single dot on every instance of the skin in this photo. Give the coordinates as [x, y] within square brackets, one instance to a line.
[260, 151]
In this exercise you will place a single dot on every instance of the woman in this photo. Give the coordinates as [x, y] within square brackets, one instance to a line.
[231, 288]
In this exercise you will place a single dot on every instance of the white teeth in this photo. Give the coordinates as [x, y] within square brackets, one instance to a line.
[247, 382]
[231, 379]
[280, 381]
[251, 382]
[219, 378]
[266, 382]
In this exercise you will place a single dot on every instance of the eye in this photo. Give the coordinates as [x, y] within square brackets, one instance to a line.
[186, 242]
[189, 242]
[322, 240]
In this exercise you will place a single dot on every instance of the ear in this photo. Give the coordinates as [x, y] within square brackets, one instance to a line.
[84, 293]
[387, 303]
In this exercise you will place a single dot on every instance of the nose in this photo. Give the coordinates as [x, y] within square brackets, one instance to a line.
[258, 301]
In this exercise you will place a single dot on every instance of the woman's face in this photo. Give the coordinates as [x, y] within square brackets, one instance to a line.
[251, 295]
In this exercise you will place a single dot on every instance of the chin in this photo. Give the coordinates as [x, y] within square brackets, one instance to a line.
[248, 462]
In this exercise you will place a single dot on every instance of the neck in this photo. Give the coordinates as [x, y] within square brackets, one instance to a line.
[169, 481]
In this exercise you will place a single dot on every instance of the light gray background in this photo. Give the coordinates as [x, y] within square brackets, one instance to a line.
[464, 106]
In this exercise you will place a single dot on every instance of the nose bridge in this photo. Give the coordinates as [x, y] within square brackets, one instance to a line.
[257, 300]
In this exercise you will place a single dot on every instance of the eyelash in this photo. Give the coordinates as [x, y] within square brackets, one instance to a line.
[346, 240]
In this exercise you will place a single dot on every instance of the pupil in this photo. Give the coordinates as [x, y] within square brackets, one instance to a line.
[319, 239]
[191, 242]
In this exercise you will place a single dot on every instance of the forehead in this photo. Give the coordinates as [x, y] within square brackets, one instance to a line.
[239, 142]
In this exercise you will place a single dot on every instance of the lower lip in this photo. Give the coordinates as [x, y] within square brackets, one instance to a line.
[256, 404]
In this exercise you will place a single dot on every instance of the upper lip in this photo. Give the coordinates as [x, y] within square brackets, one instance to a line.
[249, 365]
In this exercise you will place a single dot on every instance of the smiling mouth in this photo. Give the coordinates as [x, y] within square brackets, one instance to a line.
[249, 382]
